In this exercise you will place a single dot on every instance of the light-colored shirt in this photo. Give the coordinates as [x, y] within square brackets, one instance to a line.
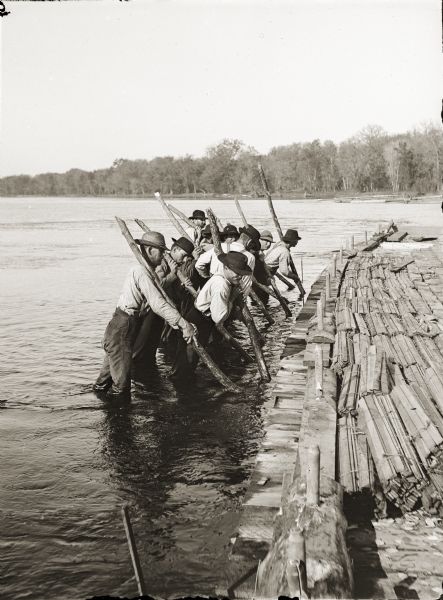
[192, 232]
[139, 295]
[278, 257]
[215, 298]
[210, 259]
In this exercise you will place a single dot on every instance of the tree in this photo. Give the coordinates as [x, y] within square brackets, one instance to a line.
[369, 161]
[350, 164]
[219, 173]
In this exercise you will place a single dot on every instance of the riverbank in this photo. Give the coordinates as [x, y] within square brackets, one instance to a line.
[345, 197]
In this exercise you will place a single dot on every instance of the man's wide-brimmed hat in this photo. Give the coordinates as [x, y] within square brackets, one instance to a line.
[229, 231]
[184, 244]
[198, 214]
[251, 231]
[152, 238]
[236, 261]
[266, 235]
[291, 236]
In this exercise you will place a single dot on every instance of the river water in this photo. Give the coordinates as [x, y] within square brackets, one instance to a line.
[179, 459]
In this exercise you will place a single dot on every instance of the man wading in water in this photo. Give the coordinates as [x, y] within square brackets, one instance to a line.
[151, 327]
[139, 294]
[278, 257]
[199, 219]
[208, 263]
[213, 305]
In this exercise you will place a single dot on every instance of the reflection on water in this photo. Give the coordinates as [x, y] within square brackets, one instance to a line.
[180, 459]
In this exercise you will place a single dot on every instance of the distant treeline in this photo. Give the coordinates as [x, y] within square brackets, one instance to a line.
[370, 161]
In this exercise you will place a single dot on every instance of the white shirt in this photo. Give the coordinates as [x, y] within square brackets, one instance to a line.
[216, 266]
[215, 298]
[192, 232]
[139, 294]
[278, 257]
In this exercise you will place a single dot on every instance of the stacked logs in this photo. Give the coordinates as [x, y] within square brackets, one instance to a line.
[308, 556]
[388, 354]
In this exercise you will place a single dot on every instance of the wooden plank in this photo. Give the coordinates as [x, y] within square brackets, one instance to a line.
[285, 417]
[287, 403]
[398, 236]
[318, 428]
[309, 356]
[278, 437]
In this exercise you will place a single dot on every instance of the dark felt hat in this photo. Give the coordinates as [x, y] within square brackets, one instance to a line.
[291, 236]
[184, 244]
[152, 238]
[229, 231]
[236, 261]
[198, 214]
[251, 231]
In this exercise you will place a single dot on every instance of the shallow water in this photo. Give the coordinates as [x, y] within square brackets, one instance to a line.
[180, 460]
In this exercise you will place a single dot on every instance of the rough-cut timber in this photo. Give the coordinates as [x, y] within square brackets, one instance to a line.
[304, 409]
[389, 356]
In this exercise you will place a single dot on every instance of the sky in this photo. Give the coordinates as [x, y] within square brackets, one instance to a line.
[84, 83]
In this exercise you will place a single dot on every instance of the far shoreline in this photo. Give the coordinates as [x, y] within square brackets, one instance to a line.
[294, 197]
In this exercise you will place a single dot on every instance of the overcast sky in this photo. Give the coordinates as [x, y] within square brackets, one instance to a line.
[84, 83]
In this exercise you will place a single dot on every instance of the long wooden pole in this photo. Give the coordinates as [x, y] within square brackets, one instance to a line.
[143, 225]
[269, 198]
[215, 232]
[245, 223]
[283, 279]
[253, 294]
[215, 370]
[280, 298]
[262, 306]
[133, 552]
[276, 292]
[172, 217]
[188, 221]
[255, 341]
[277, 226]
[221, 328]
[240, 212]
[182, 216]
[223, 331]
[247, 317]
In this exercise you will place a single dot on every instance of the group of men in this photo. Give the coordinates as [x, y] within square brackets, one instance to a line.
[187, 291]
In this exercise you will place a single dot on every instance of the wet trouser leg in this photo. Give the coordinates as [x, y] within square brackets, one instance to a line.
[146, 344]
[118, 343]
[104, 379]
[261, 276]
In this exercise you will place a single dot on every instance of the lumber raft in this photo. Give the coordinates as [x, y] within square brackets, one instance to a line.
[389, 358]
[302, 410]
[384, 434]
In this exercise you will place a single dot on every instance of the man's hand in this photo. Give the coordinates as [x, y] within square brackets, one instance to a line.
[298, 283]
[189, 331]
[171, 263]
[187, 282]
[197, 251]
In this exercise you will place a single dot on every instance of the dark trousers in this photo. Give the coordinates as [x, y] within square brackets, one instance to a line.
[146, 344]
[118, 344]
[186, 359]
[261, 276]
